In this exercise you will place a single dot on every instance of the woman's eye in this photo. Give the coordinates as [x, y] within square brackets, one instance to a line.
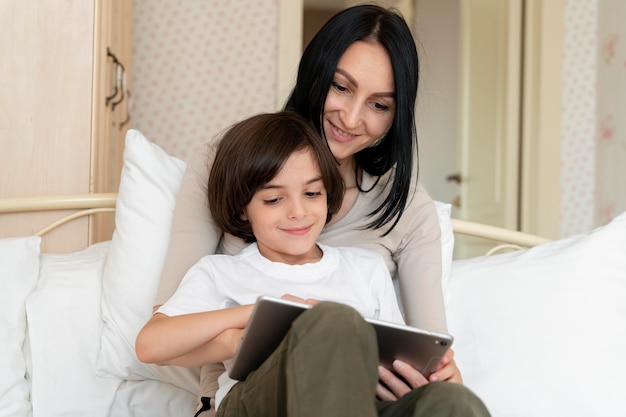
[380, 106]
[339, 87]
[313, 194]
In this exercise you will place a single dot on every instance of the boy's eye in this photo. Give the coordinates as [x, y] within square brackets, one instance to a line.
[271, 201]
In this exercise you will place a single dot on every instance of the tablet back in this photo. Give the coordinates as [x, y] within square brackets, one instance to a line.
[271, 319]
[268, 324]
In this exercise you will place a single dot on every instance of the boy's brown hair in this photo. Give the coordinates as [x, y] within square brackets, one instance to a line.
[251, 153]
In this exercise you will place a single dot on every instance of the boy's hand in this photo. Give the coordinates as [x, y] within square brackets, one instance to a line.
[300, 300]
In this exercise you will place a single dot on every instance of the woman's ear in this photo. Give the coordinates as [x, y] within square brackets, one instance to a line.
[244, 216]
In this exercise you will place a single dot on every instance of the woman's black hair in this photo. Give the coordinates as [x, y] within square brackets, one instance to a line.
[315, 75]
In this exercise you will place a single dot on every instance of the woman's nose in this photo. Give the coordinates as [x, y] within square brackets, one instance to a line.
[351, 116]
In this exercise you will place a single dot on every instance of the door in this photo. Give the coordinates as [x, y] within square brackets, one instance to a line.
[489, 114]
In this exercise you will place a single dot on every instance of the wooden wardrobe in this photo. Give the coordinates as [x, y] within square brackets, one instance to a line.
[65, 72]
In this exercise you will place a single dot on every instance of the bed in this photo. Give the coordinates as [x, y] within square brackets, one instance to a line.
[540, 331]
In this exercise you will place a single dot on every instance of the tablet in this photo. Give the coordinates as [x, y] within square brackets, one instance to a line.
[271, 319]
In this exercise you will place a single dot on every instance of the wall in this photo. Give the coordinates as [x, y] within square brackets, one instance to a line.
[199, 66]
[313, 20]
[578, 117]
[437, 33]
[594, 109]
[610, 132]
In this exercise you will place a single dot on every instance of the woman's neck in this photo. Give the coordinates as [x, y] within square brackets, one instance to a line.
[349, 173]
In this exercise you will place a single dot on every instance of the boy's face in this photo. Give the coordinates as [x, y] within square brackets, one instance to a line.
[288, 214]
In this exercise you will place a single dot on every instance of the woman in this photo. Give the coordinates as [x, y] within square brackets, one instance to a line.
[357, 83]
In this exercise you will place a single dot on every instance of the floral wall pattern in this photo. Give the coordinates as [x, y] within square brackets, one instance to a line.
[610, 137]
[578, 117]
[593, 147]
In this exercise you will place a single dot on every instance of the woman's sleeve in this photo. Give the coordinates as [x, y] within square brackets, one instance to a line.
[419, 264]
[193, 233]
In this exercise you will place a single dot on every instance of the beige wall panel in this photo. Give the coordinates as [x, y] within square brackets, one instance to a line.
[45, 108]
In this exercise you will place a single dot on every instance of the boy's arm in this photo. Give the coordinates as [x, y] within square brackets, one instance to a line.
[190, 339]
[221, 348]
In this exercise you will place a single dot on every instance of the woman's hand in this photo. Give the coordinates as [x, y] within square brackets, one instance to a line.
[447, 370]
[391, 386]
[406, 378]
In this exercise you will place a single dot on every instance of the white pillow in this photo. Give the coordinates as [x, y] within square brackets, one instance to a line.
[542, 332]
[444, 213]
[65, 324]
[148, 187]
[19, 271]
[153, 398]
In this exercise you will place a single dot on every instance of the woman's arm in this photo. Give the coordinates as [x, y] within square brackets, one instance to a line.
[420, 265]
[192, 339]
[193, 233]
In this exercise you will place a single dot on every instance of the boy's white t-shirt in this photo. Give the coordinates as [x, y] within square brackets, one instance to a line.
[352, 276]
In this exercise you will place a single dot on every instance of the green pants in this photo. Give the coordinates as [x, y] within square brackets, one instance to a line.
[327, 366]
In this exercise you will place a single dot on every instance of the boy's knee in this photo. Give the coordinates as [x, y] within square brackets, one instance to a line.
[337, 319]
[334, 308]
[336, 314]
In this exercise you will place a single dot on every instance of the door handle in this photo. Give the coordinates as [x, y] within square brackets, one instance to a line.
[454, 178]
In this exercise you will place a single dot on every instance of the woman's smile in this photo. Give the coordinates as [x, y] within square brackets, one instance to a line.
[340, 135]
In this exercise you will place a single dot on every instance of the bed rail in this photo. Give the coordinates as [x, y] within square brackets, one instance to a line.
[509, 238]
[57, 202]
[98, 202]
[86, 204]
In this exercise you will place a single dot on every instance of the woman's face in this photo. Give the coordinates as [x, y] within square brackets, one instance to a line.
[360, 105]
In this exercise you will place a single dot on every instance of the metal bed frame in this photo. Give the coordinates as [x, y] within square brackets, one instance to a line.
[87, 204]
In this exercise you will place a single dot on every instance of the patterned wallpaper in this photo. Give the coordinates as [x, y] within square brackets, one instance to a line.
[594, 115]
[610, 138]
[578, 117]
[199, 66]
